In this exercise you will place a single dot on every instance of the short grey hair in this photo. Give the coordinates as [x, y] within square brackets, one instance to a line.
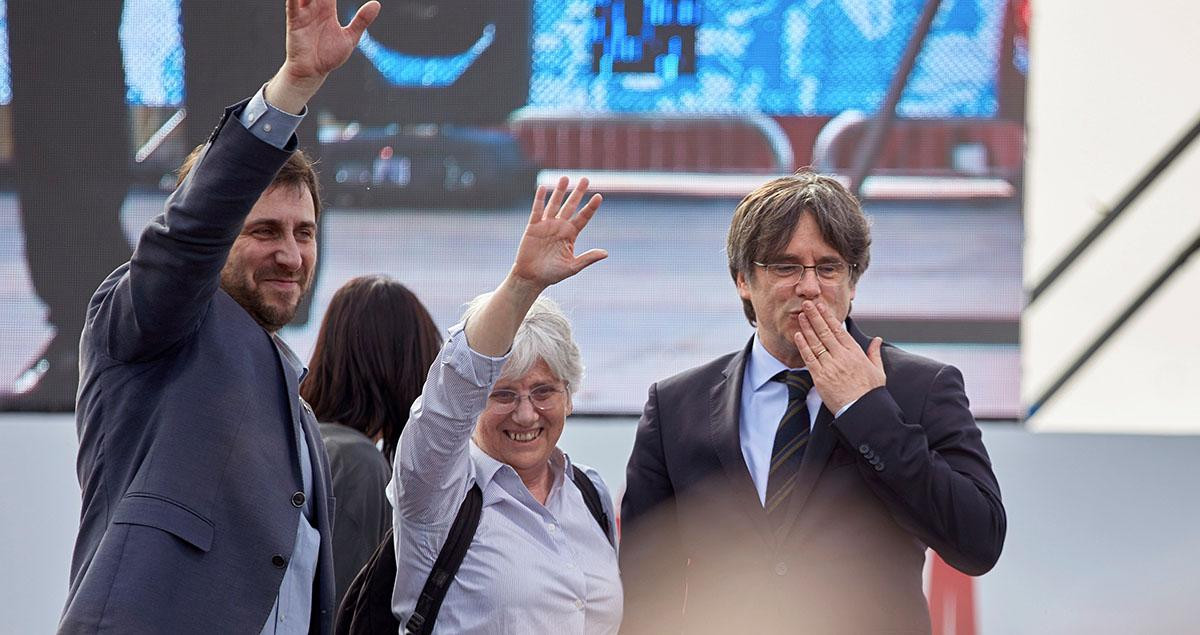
[545, 333]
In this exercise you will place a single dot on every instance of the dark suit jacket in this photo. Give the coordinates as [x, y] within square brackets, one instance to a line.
[188, 460]
[901, 469]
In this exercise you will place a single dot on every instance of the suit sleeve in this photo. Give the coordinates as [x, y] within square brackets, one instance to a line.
[652, 564]
[932, 473]
[161, 296]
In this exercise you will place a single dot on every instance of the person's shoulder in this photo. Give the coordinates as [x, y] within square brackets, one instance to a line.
[344, 442]
[592, 473]
[906, 362]
[594, 476]
[911, 374]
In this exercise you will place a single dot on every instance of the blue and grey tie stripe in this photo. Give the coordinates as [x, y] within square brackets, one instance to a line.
[790, 440]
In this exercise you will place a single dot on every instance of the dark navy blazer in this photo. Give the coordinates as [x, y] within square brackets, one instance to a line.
[902, 469]
[188, 461]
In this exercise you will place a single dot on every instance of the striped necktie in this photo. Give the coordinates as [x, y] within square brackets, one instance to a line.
[790, 439]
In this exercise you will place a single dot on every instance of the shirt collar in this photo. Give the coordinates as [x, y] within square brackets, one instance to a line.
[763, 366]
[290, 357]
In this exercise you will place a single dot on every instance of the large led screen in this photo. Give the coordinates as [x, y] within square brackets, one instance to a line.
[433, 137]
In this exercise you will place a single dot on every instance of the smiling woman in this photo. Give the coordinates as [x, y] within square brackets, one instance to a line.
[525, 412]
[493, 408]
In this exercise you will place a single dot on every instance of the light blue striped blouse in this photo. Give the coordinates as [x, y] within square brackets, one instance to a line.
[531, 568]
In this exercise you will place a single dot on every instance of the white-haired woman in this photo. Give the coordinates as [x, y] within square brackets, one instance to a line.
[491, 414]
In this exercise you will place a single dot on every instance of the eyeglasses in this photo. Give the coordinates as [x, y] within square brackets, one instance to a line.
[541, 397]
[828, 273]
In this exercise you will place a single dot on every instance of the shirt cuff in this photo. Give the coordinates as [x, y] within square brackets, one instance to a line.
[844, 408]
[481, 370]
[269, 123]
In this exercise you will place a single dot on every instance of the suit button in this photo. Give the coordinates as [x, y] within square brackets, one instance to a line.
[879, 467]
[864, 448]
[781, 568]
[298, 499]
[279, 561]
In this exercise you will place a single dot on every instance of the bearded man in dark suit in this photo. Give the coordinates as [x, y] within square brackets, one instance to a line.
[793, 486]
[207, 503]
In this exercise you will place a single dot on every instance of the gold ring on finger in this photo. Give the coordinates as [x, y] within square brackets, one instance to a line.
[821, 352]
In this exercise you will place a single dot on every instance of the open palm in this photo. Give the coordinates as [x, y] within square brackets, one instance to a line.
[547, 251]
[317, 43]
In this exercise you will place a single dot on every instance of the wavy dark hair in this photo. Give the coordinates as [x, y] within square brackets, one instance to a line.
[376, 345]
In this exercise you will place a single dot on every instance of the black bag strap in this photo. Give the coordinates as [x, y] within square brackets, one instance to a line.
[459, 540]
[446, 566]
[591, 498]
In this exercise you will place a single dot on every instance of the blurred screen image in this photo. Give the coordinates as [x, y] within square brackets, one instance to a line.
[433, 138]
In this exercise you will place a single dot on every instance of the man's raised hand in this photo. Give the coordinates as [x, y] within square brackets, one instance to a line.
[841, 371]
[317, 44]
[547, 251]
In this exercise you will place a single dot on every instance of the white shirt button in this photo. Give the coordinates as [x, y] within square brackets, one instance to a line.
[579, 605]
[551, 527]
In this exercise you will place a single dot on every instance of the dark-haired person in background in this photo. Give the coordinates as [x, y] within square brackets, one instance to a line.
[373, 352]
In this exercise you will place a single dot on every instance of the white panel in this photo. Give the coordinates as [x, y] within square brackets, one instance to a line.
[1111, 89]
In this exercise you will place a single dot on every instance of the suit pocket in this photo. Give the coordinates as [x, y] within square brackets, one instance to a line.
[149, 510]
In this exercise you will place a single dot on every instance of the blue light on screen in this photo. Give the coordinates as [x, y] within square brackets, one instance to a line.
[151, 50]
[813, 57]
[818, 57]
[5, 73]
[409, 70]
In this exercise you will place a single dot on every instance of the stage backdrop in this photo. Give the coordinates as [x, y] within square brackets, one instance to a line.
[434, 136]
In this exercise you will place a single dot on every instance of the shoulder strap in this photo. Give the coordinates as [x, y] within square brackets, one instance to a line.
[446, 566]
[459, 540]
[591, 498]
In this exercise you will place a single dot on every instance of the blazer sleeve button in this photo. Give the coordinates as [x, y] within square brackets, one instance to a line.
[298, 499]
[279, 561]
[864, 448]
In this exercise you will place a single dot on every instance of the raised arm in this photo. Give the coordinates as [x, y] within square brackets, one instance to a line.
[317, 44]
[176, 266]
[431, 468]
[546, 256]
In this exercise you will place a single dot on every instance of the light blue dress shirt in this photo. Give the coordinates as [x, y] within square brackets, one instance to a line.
[293, 606]
[763, 404]
[532, 568]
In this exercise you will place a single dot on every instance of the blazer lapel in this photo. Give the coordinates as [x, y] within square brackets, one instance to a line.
[726, 400]
[292, 382]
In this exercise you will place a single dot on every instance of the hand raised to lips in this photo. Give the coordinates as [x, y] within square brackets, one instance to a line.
[841, 371]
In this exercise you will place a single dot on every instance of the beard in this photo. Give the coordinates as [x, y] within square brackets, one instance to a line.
[271, 314]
